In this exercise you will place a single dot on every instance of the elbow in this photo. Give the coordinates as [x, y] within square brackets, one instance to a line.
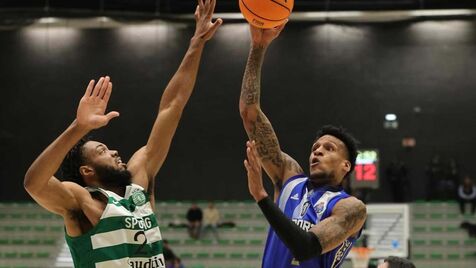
[29, 182]
[249, 114]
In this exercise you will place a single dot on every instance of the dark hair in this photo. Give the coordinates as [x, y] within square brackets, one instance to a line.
[349, 141]
[397, 262]
[73, 161]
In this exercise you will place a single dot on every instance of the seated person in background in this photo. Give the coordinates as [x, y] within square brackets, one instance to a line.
[211, 217]
[396, 262]
[467, 194]
[469, 227]
[194, 217]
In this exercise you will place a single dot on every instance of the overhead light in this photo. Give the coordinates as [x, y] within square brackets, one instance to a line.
[390, 117]
[48, 20]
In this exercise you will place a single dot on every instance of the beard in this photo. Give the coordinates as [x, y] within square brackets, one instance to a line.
[112, 177]
[319, 179]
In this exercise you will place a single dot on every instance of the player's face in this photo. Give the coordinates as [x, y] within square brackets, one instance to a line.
[98, 154]
[106, 165]
[383, 265]
[328, 163]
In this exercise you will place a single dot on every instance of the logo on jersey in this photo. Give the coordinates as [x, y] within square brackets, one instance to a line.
[295, 197]
[154, 262]
[320, 207]
[138, 198]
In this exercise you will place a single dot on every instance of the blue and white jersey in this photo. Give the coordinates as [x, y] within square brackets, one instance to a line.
[306, 206]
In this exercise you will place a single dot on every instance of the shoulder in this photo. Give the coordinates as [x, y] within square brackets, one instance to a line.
[351, 206]
[77, 191]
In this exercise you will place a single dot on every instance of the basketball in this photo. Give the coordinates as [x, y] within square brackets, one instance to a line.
[266, 13]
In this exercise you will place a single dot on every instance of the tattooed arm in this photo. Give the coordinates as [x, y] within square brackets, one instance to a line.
[348, 217]
[278, 165]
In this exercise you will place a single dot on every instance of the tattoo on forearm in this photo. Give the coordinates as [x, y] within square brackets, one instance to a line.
[250, 89]
[267, 142]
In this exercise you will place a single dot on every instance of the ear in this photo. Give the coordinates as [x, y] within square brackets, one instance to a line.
[86, 171]
[347, 165]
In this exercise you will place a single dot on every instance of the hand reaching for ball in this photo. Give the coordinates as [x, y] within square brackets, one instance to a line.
[261, 38]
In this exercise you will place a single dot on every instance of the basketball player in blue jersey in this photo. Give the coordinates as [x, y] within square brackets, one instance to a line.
[314, 223]
[106, 204]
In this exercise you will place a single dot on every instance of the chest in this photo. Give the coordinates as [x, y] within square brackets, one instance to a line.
[309, 207]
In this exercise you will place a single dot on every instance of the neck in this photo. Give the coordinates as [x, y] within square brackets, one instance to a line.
[318, 184]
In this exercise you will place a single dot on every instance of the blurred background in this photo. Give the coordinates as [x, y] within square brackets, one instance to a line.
[398, 74]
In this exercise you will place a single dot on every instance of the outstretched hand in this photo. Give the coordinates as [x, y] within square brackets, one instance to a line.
[263, 37]
[205, 28]
[254, 171]
[92, 107]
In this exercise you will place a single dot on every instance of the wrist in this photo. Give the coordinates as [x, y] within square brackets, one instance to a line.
[197, 41]
[75, 126]
[259, 46]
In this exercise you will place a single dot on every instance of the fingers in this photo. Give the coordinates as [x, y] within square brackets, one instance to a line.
[89, 89]
[200, 5]
[279, 28]
[97, 88]
[112, 115]
[104, 87]
[215, 26]
[211, 6]
[107, 93]
[247, 165]
[252, 155]
[197, 12]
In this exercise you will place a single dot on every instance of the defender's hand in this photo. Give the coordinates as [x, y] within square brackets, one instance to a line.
[92, 107]
[261, 38]
[254, 170]
[205, 28]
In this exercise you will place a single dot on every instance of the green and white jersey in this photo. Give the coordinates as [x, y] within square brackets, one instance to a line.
[127, 234]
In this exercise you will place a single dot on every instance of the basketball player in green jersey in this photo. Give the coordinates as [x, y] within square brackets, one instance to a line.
[107, 206]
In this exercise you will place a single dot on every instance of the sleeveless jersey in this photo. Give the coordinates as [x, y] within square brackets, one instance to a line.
[306, 206]
[127, 234]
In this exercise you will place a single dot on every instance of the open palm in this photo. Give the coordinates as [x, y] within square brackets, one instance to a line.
[92, 107]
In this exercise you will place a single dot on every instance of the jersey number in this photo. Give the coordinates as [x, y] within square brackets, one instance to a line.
[141, 249]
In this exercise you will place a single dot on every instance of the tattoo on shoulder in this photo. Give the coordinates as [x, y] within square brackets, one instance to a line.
[336, 229]
[353, 214]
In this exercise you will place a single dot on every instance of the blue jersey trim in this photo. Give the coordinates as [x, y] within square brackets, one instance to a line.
[293, 178]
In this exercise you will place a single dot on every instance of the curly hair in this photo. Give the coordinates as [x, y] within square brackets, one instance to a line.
[349, 141]
[73, 161]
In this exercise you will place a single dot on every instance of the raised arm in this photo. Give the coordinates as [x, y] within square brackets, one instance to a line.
[347, 218]
[150, 158]
[278, 165]
[40, 183]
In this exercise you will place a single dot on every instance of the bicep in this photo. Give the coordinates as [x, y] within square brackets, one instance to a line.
[57, 197]
[347, 218]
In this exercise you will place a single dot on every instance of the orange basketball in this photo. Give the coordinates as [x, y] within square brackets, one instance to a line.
[266, 13]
